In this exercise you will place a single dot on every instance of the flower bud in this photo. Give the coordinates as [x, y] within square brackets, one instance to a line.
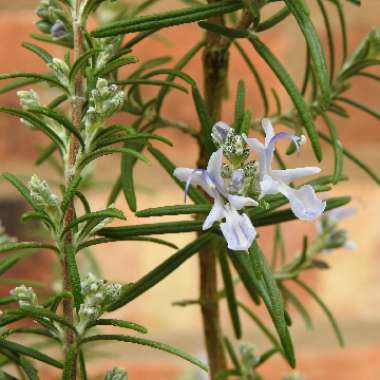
[294, 376]
[220, 132]
[43, 26]
[41, 193]
[58, 29]
[4, 237]
[28, 99]
[116, 374]
[61, 70]
[25, 296]
[251, 169]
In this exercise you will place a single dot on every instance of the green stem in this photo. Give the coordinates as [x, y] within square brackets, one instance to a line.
[76, 108]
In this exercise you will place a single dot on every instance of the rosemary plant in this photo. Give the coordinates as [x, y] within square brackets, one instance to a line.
[239, 183]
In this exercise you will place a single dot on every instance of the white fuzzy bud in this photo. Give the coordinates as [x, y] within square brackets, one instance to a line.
[25, 296]
[116, 374]
[29, 99]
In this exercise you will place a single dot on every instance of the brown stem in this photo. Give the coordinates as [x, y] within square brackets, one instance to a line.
[215, 66]
[76, 108]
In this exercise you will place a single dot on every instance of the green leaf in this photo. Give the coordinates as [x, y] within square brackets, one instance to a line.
[360, 106]
[241, 264]
[274, 304]
[298, 305]
[51, 40]
[40, 77]
[239, 106]
[97, 241]
[45, 154]
[171, 18]
[8, 247]
[126, 177]
[60, 119]
[120, 323]
[74, 276]
[151, 229]
[152, 82]
[115, 64]
[223, 30]
[230, 292]
[338, 148]
[178, 67]
[37, 123]
[22, 189]
[232, 354]
[161, 271]
[38, 313]
[261, 326]
[195, 195]
[17, 83]
[204, 120]
[174, 210]
[42, 53]
[97, 216]
[330, 37]
[147, 342]
[314, 45]
[327, 311]
[86, 159]
[256, 75]
[81, 62]
[291, 88]
[31, 352]
[130, 138]
[273, 20]
[9, 261]
[70, 193]
[354, 159]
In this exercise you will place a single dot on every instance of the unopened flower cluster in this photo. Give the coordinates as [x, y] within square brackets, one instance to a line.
[234, 182]
[104, 101]
[97, 294]
[25, 296]
[116, 373]
[329, 230]
[4, 237]
[44, 198]
[53, 19]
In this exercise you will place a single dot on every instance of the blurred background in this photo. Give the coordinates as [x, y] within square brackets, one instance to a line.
[351, 288]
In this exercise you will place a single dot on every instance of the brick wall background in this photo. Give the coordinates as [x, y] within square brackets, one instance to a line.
[351, 288]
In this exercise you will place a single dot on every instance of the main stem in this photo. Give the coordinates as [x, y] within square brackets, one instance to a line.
[215, 65]
[76, 109]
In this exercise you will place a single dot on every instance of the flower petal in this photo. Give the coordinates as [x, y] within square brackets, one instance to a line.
[194, 177]
[268, 129]
[214, 168]
[269, 186]
[341, 213]
[289, 175]
[220, 131]
[238, 231]
[303, 202]
[238, 202]
[216, 214]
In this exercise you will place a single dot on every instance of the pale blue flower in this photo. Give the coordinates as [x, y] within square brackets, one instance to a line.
[303, 201]
[237, 228]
